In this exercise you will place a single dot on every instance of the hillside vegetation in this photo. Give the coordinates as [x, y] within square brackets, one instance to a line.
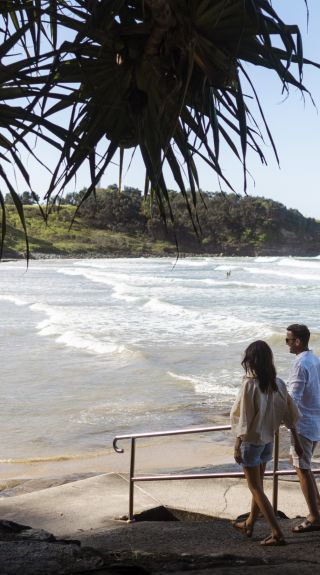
[119, 224]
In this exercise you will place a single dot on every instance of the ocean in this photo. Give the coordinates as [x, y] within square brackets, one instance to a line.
[100, 347]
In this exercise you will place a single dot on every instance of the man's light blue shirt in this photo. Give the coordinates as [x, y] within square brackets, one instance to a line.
[304, 388]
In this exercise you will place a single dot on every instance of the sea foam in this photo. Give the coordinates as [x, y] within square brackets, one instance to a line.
[71, 339]
[283, 273]
[206, 385]
[13, 299]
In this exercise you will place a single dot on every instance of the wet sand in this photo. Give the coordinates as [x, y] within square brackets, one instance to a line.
[159, 455]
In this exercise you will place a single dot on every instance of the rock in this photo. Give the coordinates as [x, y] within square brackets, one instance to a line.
[46, 558]
[9, 530]
[28, 551]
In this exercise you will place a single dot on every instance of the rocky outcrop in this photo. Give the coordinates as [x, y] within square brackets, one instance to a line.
[27, 551]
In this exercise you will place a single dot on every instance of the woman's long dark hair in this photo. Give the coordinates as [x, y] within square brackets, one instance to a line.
[258, 359]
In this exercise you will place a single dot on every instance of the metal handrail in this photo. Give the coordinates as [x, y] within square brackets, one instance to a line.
[164, 477]
[169, 432]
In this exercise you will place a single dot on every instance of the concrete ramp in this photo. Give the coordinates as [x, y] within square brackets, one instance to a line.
[69, 509]
[97, 502]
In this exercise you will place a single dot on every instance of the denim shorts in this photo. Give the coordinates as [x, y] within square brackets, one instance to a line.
[308, 446]
[253, 455]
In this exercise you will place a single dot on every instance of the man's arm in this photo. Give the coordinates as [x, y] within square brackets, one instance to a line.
[297, 382]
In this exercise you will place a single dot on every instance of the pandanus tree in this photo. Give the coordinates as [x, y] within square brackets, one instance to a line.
[164, 77]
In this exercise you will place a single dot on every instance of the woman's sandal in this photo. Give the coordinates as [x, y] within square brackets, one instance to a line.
[273, 541]
[243, 528]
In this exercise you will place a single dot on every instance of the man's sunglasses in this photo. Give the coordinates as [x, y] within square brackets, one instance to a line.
[290, 339]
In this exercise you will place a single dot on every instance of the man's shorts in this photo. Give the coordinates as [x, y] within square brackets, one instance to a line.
[308, 446]
[253, 455]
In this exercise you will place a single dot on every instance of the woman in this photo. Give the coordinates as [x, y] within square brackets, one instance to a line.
[262, 405]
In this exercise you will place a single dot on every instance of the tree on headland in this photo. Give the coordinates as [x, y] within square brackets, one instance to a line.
[29, 198]
[72, 198]
[162, 76]
[26, 198]
[111, 210]
[8, 200]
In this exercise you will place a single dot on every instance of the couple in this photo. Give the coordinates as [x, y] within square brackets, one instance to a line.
[262, 405]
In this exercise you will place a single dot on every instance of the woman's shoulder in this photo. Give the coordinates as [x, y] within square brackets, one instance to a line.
[248, 379]
[250, 382]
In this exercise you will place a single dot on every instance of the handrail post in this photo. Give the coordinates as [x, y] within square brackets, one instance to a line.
[131, 482]
[275, 475]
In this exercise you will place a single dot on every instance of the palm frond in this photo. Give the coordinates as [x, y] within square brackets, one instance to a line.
[162, 76]
[131, 62]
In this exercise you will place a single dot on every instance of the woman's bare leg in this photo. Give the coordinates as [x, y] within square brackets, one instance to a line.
[255, 510]
[247, 526]
[254, 477]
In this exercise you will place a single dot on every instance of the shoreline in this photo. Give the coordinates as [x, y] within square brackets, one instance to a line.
[158, 455]
[149, 255]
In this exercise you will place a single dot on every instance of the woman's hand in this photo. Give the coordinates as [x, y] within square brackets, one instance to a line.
[237, 455]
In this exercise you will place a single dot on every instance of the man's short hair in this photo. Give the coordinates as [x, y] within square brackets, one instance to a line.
[301, 331]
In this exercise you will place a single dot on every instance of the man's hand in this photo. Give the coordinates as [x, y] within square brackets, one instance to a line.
[298, 448]
[296, 443]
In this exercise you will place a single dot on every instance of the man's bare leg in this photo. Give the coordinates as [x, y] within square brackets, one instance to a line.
[310, 492]
[316, 490]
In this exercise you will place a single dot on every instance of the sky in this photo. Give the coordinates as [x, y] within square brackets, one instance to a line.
[294, 124]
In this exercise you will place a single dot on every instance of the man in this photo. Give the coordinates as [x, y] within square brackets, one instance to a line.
[304, 388]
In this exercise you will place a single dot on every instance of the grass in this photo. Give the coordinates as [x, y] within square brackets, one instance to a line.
[56, 238]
